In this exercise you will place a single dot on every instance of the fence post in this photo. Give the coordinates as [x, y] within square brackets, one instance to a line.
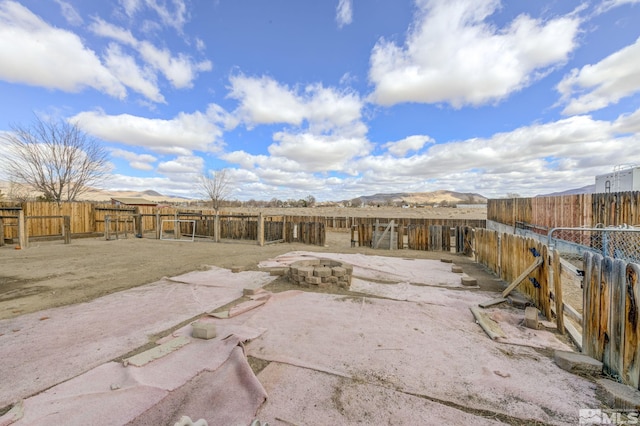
[216, 227]
[158, 224]
[1, 232]
[107, 227]
[66, 229]
[23, 237]
[177, 232]
[138, 223]
[556, 281]
[260, 229]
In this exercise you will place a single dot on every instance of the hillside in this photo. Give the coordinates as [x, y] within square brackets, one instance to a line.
[420, 198]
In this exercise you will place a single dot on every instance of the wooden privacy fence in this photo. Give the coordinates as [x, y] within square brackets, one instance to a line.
[510, 255]
[611, 324]
[577, 210]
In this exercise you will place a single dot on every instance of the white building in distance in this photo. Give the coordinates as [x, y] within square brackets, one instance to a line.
[623, 178]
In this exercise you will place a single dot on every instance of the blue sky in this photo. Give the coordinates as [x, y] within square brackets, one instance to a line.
[334, 98]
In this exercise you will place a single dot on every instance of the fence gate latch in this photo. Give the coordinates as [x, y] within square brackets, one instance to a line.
[534, 252]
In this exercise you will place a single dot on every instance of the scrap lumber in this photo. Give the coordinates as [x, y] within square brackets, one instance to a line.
[489, 326]
[522, 276]
[492, 302]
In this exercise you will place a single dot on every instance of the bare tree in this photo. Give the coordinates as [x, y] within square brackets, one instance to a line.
[55, 158]
[216, 187]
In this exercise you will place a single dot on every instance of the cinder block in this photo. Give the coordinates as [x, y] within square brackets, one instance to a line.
[445, 260]
[332, 280]
[203, 330]
[577, 363]
[531, 317]
[236, 269]
[456, 269]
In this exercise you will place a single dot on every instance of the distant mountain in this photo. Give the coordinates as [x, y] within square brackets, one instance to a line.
[589, 189]
[434, 197]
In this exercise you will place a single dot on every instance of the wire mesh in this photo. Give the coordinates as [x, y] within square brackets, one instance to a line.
[618, 243]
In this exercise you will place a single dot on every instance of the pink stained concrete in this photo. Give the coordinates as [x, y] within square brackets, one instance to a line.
[393, 269]
[302, 396]
[38, 353]
[433, 350]
[205, 379]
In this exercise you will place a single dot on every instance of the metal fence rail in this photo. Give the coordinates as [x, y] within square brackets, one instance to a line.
[615, 242]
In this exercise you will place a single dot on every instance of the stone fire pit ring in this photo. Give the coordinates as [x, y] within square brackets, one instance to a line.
[321, 272]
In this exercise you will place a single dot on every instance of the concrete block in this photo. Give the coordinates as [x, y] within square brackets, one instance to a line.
[519, 301]
[322, 271]
[577, 363]
[338, 271]
[203, 330]
[251, 291]
[278, 271]
[531, 317]
[468, 281]
[313, 280]
[456, 269]
[618, 395]
[236, 269]
[305, 271]
[332, 279]
[445, 260]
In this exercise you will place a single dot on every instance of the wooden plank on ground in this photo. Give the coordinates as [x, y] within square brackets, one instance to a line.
[489, 326]
[492, 302]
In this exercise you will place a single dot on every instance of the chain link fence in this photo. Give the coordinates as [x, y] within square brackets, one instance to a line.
[616, 242]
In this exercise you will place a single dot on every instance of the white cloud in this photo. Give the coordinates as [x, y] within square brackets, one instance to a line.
[453, 56]
[265, 101]
[35, 53]
[183, 168]
[344, 13]
[174, 17]
[70, 14]
[610, 4]
[180, 135]
[411, 143]
[596, 86]
[124, 67]
[137, 161]
[180, 70]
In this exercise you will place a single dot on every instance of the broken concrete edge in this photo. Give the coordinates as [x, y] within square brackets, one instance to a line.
[157, 352]
[577, 363]
[618, 395]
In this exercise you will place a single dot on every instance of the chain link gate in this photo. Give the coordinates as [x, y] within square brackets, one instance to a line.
[615, 242]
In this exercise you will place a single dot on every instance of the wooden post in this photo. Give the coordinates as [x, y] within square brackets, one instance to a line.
[107, 227]
[284, 229]
[177, 232]
[137, 228]
[158, 224]
[260, 229]
[216, 228]
[555, 280]
[1, 232]
[66, 229]
[23, 237]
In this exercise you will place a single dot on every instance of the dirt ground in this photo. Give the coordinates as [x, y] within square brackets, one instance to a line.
[51, 274]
